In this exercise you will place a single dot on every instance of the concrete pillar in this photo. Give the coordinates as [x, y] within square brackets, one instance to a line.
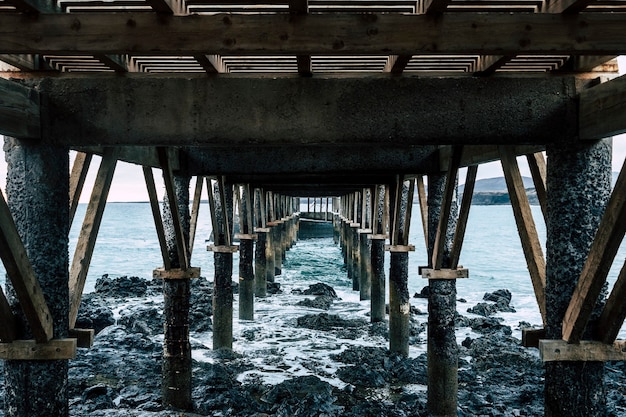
[270, 265]
[277, 245]
[378, 306]
[579, 181]
[222, 281]
[176, 366]
[246, 279]
[365, 275]
[355, 260]
[37, 192]
[442, 347]
[260, 265]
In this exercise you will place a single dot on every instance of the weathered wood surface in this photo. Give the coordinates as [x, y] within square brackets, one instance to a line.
[603, 250]
[421, 194]
[156, 214]
[614, 312]
[585, 351]
[537, 165]
[7, 328]
[77, 180]
[195, 210]
[84, 337]
[89, 232]
[19, 111]
[461, 225]
[445, 273]
[531, 246]
[602, 110]
[55, 349]
[21, 274]
[176, 273]
[315, 34]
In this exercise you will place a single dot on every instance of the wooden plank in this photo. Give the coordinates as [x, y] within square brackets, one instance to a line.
[80, 168]
[215, 226]
[526, 227]
[210, 65]
[84, 337]
[614, 312]
[176, 273]
[29, 6]
[156, 214]
[89, 232]
[195, 209]
[400, 248]
[19, 111]
[315, 34]
[22, 277]
[531, 337]
[8, 331]
[224, 221]
[466, 202]
[537, 165]
[603, 250]
[395, 196]
[222, 248]
[444, 273]
[24, 62]
[118, 63]
[585, 351]
[166, 7]
[168, 176]
[481, 154]
[446, 203]
[434, 6]
[590, 63]
[55, 349]
[602, 109]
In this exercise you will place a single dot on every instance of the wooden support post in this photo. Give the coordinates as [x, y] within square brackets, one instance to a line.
[176, 383]
[466, 203]
[603, 250]
[365, 258]
[614, 312]
[260, 258]
[156, 214]
[421, 193]
[77, 180]
[537, 165]
[525, 226]
[579, 180]
[89, 232]
[442, 347]
[585, 351]
[195, 209]
[8, 329]
[246, 253]
[399, 299]
[223, 261]
[37, 192]
[377, 257]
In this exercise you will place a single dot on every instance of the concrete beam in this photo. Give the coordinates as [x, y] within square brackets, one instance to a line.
[231, 111]
[602, 110]
[19, 110]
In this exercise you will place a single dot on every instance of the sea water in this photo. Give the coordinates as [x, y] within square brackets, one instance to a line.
[127, 245]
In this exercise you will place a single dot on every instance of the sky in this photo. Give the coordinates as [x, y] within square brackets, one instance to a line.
[128, 181]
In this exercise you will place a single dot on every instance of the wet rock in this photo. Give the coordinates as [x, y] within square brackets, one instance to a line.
[483, 309]
[323, 302]
[306, 396]
[320, 289]
[122, 287]
[325, 321]
[362, 375]
[97, 397]
[484, 325]
[145, 320]
[499, 296]
[274, 288]
[424, 293]
[94, 314]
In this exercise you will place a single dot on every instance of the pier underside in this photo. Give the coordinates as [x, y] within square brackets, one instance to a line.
[367, 104]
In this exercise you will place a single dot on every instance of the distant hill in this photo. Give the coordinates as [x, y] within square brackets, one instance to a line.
[497, 184]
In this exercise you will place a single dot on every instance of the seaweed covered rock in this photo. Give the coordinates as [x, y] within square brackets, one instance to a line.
[121, 287]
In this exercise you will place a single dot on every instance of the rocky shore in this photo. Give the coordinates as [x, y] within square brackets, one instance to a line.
[121, 374]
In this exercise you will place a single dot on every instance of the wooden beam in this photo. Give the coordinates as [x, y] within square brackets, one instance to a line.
[531, 337]
[77, 180]
[489, 64]
[435, 6]
[614, 312]
[585, 351]
[195, 209]
[31, 350]
[168, 176]
[118, 63]
[315, 34]
[32, 7]
[565, 6]
[24, 62]
[19, 111]
[397, 63]
[84, 337]
[89, 232]
[22, 277]
[602, 110]
[156, 214]
[466, 203]
[537, 165]
[166, 7]
[421, 194]
[603, 250]
[446, 204]
[212, 64]
[531, 246]
[301, 7]
[8, 330]
[590, 63]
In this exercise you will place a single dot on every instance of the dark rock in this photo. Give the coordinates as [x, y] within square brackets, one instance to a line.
[497, 296]
[122, 287]
[362, 375]
[325, 321]
[98, 397]
[424, 293]
[323, 302]
[145, 320]
[94, 314]
[274, 288]
[483, 309]
[320, 289]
